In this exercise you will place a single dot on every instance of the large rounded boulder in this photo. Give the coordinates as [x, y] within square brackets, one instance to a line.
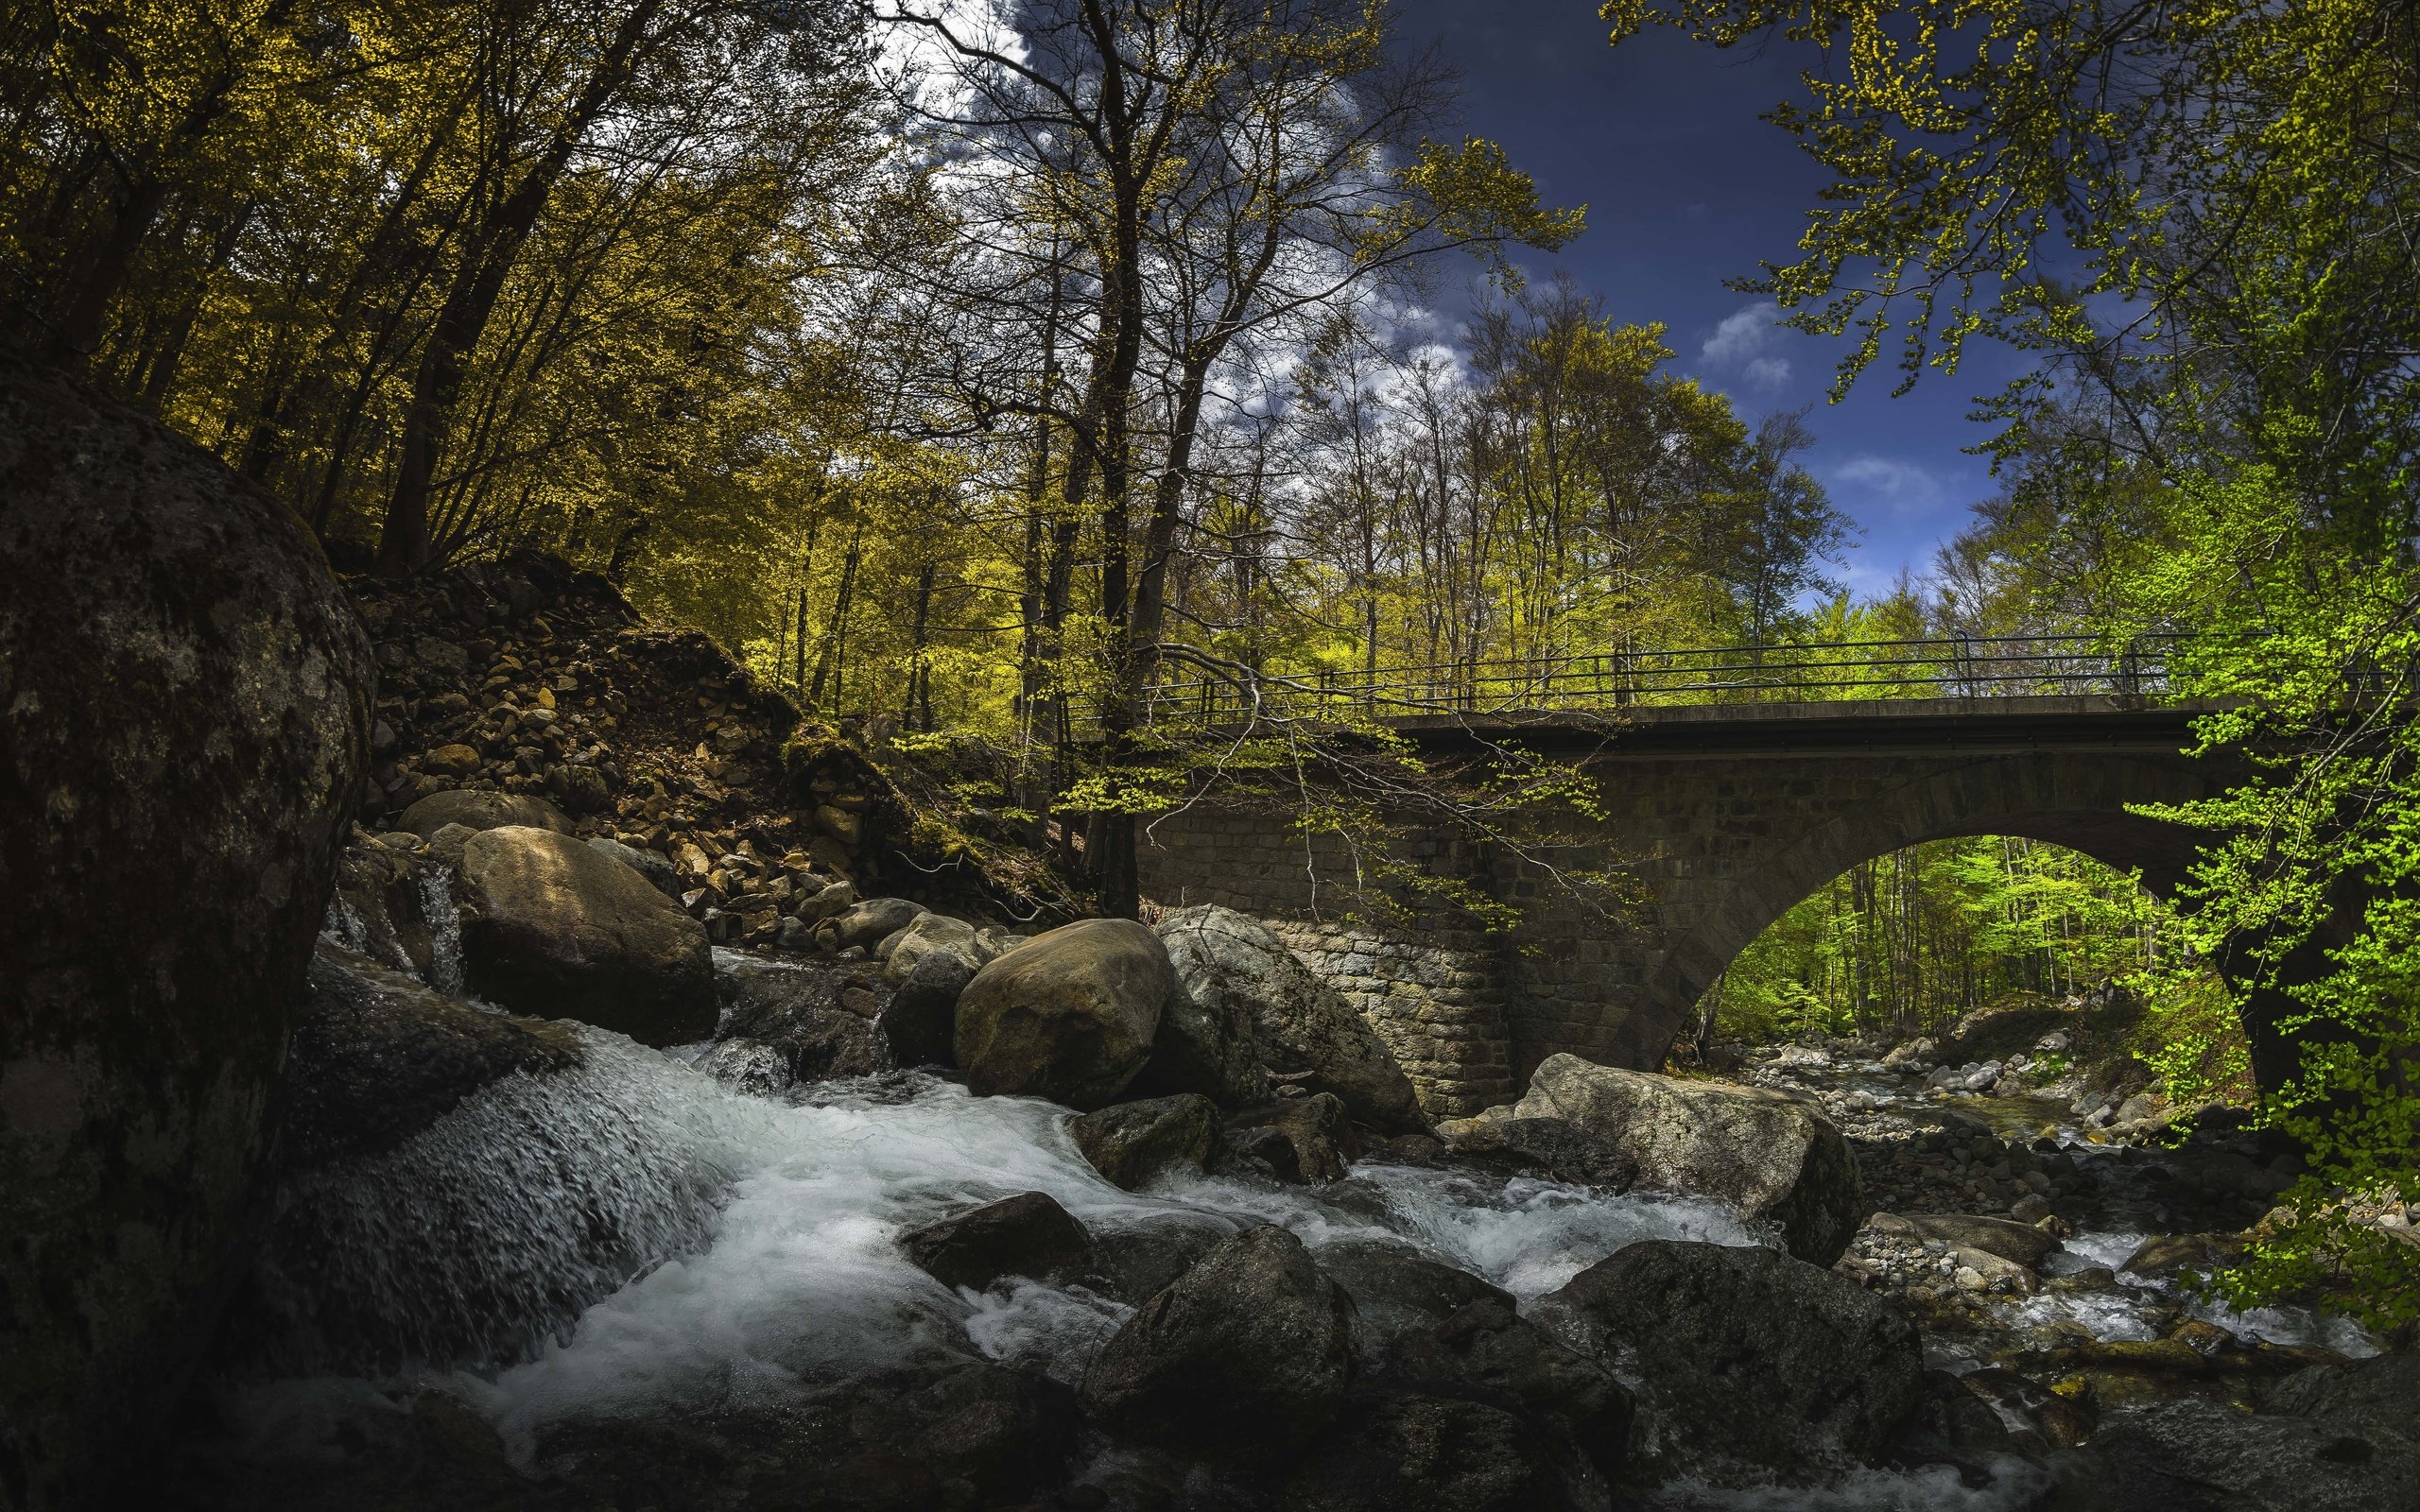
[562, 932]
[1776, 1160]
[1248, 1351]
[184, 716]
[1069, 1016]
[1753, 1367]
[1254, 1003]
[476, 810]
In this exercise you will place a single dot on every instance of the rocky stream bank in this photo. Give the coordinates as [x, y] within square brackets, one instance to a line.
[675, 1112]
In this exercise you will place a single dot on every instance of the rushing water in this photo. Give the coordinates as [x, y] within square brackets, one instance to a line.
[633, 1236]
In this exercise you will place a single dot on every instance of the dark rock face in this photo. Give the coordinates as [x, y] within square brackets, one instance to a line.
[1486, 1350]
[2200, 1456]
[797, 1013]
[1131, 1143]
[1028, 1234]
[1069, 1016]
[922, 1017]
[1419, 1453]
[1772, 1157]
[1250, 1350]
[378, 907]
[475, 810]
[1141, 1260]
[2378, 1393]
[1260, 1000]
[378, 1057]
[1752, 1365]
[1397, 1290]
[563, 932]
[1304, 1139]
[182, 687]
[976, 1435]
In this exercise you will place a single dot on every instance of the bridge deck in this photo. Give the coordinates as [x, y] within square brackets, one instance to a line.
[1882, 726]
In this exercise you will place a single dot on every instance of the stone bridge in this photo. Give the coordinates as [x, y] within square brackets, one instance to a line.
[1724, 816]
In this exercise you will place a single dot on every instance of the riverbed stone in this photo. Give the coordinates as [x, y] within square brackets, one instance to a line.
[1405, 1451]
[1131, 1145]
[1247, 1353]
[1069, 1016]
[867, 924]
[1753, 1365]
[562, 931]
[1257, 997]
[1028, 1234]
[794, 1009]
[1486, 1349]
[920, 1021]
[185, 718]
[1771, 1158]
[929, 932]
[2023, 1243]
[1307, 1141]
[477, 810]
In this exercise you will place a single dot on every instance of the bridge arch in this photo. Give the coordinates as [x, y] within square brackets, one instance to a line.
[2080, 803]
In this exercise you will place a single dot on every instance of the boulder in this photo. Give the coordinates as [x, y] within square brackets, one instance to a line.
[865, 923]
[1755, 1366]
[1069, 1016]
[561, 931]
[475, 810]
[920, 1023]
[928, 933]
[1397, 1290]
[1407, 1452]
[1487, 1349]
[2019, 1241]
[1132, 1143]
[1248, 1353]
[377, 910]
[2191, 1456]
[655, 869]
[1257, 999]
[2175, 1254]
[963, 1433]
[794, 1010]
[2379, 1394]
[1771, 1158]
[1028, 1234]
[185, 718]
[1144, 1255]
[1307, 1141]
[378, 1057]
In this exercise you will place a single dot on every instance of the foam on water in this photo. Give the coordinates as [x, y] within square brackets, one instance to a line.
[631, 1235]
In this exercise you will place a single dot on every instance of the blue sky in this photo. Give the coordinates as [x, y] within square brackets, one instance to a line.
[1686, 187]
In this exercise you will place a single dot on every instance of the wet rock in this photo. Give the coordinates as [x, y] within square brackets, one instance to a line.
[2380, 1394]
[1255, 997]
[1248, 1351]
[185, 716]
[561, 930]
[928, 933]
[1752, 1365]
[1397, 1290]
[2203, 1456]
[1069, 1016]
[2163, 1255]
[867, 924]
[749, 1066]
[378, 908]
[796, 1010]
[483, 811]
[1307, 1141]
[2051, 1421]
[378, 1057]
[1134, 1143]
[1028, 1234]
[962, 1435]
[2023, 1243]
[1405, 1452]
[1143, 1257]
[920, 1023]
[1772, 1157]
[1486, 1349]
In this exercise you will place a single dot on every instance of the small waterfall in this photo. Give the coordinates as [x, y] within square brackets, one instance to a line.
[498, 1223]
[444, 927]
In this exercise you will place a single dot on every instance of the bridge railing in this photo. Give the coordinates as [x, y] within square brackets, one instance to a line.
[1946, 667]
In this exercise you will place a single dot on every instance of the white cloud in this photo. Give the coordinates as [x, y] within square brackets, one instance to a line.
[1743, 336]
[1766, 372]
[1904, 487]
